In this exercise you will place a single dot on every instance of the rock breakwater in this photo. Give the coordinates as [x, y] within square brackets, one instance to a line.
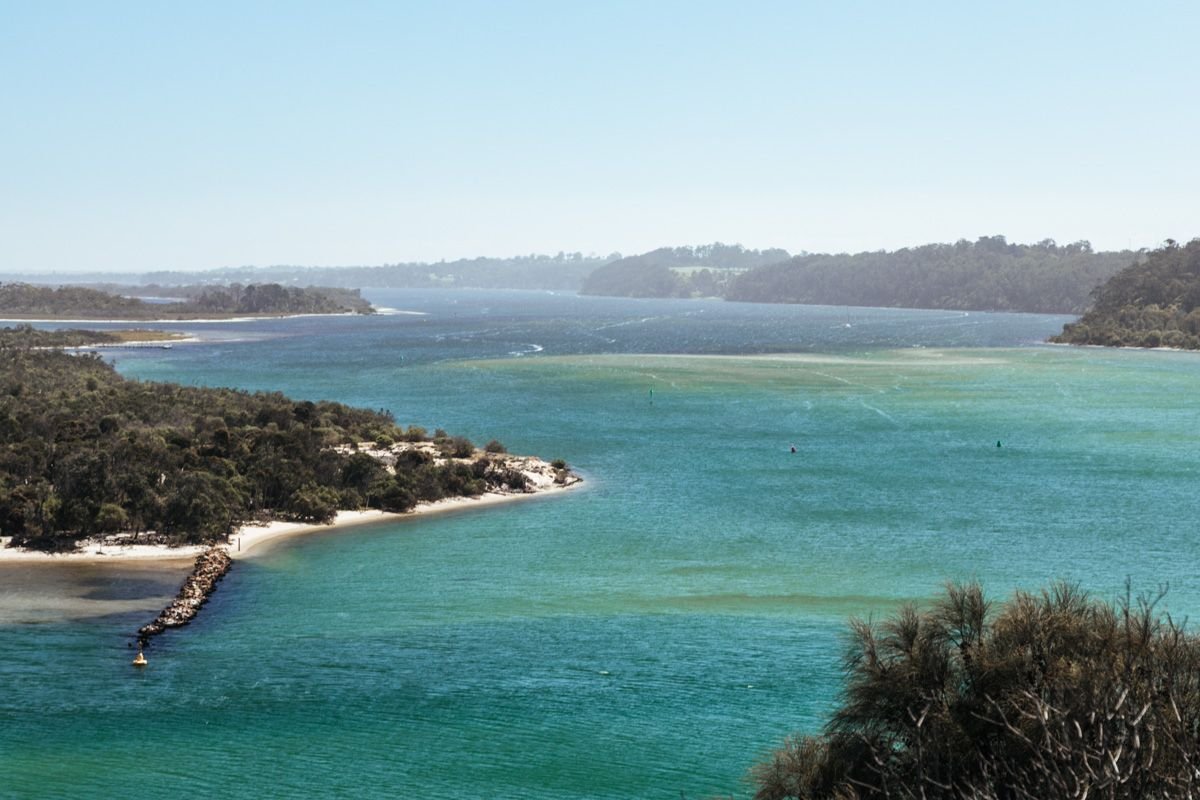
[211, 566]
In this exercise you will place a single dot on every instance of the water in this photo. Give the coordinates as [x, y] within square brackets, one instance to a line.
[656, 632]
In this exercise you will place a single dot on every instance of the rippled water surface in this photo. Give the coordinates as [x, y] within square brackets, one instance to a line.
[647, 636]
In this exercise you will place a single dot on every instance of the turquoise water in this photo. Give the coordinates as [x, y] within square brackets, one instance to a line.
[656, 632]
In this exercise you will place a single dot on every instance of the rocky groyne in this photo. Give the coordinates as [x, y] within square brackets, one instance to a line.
[211, 566]
[498, 474]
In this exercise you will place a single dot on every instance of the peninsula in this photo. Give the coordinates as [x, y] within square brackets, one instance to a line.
[88, 453]
[95, 466]
[26, 301]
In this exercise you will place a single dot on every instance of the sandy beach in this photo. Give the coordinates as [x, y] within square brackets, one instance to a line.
[164, 344]
[249, 539]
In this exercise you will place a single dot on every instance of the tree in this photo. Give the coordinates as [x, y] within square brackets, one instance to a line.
[311, 503]
[1056, 695]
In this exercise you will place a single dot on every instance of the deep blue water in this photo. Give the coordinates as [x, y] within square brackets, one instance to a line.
[656, 632]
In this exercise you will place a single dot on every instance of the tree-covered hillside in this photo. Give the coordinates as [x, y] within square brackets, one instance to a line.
[1153, 303]
[702, 271]
[84, 451]
[988, 274]
[27, 300]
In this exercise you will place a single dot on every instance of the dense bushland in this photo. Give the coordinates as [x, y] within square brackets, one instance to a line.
[1054, 695]
[84, 451]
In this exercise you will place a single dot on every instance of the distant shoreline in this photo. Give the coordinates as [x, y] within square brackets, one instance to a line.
[140, 320]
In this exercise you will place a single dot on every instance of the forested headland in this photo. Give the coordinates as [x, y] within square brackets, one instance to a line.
[67, 302]
[1152, 303]
[86, 452]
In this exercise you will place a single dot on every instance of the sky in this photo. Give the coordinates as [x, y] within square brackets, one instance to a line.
[145, 136]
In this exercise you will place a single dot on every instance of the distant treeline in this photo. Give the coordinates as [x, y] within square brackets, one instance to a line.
[84, 451]
[27, 300]
[561, 272]
[1152, 303]
[703, 271]
[989, 274]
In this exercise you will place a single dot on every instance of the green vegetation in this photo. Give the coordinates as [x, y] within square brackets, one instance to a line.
[1152, 303]
[84, 451]
[27, 300]
[703, 271]
[28, 336]
[1055, 695]
[989, 274]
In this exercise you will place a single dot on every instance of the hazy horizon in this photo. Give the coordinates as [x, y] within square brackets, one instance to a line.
[220, 136]
[496, 257]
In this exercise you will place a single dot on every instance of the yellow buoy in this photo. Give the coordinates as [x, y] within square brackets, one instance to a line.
[140, 661]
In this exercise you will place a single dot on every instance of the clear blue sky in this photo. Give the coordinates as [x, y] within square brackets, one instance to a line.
[182, 136]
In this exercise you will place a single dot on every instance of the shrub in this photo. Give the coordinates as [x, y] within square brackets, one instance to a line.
[1056, 695]
[494, 447]
[457, 447]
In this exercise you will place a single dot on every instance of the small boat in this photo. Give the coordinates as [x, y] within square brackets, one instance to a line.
[140, 660]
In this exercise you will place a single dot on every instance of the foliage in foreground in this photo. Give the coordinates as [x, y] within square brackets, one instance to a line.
[1056, 695]
[84, 451]
[1152, 303]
